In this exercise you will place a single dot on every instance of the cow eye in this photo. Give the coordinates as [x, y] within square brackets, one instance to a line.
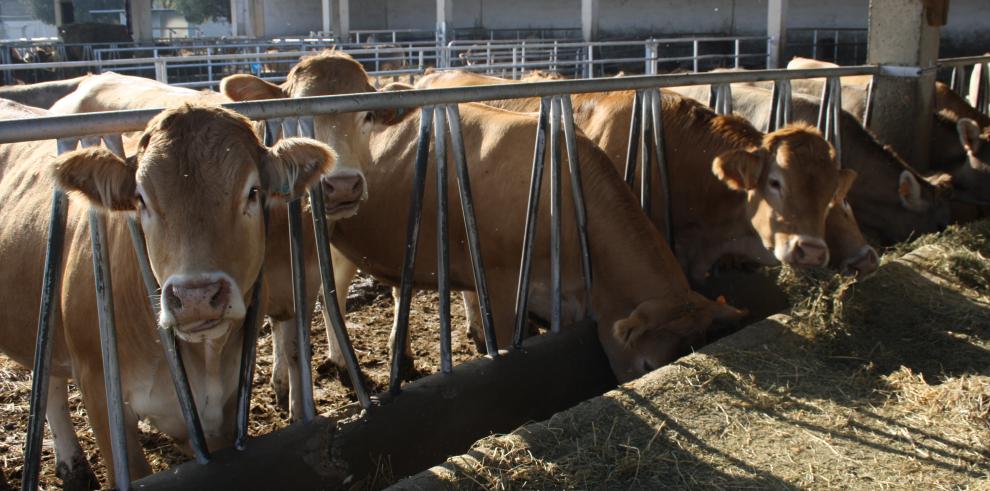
[254, 194]
[139, 202]
[775, 184]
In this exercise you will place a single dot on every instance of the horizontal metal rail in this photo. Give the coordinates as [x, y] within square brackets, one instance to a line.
[99, 123]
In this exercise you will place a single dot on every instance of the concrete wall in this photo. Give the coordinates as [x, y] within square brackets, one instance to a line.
[289, 17]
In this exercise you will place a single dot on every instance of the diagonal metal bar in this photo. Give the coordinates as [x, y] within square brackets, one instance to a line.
[108, 346]
[443, 245]
[646, 156]
[656, 124]
[471, 227]
[577, 190]
[330, 295]
[633, 145]
[301, 305]
[252, 322]
[51, 286]
[835, 122]
[532, 207]
[555, 260]
[401, 327]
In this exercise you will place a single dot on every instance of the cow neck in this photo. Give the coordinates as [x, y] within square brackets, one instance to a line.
[631, 262]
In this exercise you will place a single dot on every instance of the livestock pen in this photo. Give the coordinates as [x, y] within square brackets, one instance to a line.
[294, 117]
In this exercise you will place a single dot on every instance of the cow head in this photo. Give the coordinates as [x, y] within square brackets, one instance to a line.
[197, 184]
[790, 182]
[329, 73]
[655, 334]
[971, 179]
[850, 252]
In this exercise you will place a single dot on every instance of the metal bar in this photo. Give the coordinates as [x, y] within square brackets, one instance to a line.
[51, 285]
[471, 227]
[772, 123]
[301, 305]
[135, 120]
[401, 326]
[555, 260]
[786, 116]
[823, 105]
[868, 110]
[836, 119]
[330, 295]
[577, 190]
[532, 207]
[656, 125]
[443, 241]
[633, 145]
[108, 347]
[252, 321]
[645, 169]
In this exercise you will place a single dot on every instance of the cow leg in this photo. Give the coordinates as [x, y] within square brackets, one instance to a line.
[286, 379]
[473, 329]
[407, 371]
[343, 273]
[94, 398]
[71, 465]
[283, 340]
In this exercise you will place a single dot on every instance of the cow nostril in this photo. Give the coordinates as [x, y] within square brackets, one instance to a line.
[358, 184]
[171, 299]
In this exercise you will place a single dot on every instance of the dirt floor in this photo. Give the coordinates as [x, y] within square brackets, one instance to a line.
[369, 320]
[884, 384]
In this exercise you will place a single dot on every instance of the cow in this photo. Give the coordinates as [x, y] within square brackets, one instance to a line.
[604, 117]
[893, 202]
[42, 94]
[197, 182]
[495, 141]
[344, 189]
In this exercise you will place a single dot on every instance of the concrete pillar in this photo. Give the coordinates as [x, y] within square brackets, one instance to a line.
[58, 13]
[325, 11]
[341, 13]
[902, 37]
[140, 21]
[777, 32]
[589, 20]
[445, 21]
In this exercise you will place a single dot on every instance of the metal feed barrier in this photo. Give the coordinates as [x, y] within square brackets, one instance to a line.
[292, 117]
[968, 77]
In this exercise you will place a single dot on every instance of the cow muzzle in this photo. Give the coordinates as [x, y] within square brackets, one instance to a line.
[200, 307]
[342, 194]
[864, 264]
[803, 251]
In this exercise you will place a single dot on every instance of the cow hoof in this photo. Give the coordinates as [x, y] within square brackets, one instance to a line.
[79, 477]
[407, 370]
[478, 340]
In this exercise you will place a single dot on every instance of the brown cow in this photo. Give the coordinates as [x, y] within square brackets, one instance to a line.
[197, 183]
[343, 189]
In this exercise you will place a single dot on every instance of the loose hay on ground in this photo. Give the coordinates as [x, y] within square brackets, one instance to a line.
[881, 384]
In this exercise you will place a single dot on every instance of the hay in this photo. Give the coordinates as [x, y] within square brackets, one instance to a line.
[881, 383]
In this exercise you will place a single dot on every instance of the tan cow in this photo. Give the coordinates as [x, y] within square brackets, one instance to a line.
[344, 189]
[197, 182]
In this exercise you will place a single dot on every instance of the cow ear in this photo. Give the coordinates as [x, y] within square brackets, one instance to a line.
[969, 134]
[392, 116]
[103, 178]
[739, 169]
[294, 164]
[846, 179]
[909, 190]
[642, 319]
[244, 87]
